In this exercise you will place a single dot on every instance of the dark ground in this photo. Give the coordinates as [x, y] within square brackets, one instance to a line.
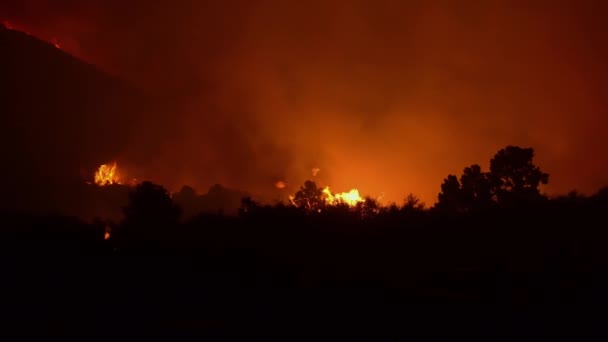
[277, 273]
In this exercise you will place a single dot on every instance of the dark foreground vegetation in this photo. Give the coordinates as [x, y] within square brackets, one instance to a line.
[493, 260]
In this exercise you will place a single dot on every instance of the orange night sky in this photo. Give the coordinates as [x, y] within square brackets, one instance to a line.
[385, 96]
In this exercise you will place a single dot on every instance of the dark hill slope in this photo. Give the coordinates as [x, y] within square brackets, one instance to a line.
[59, 118]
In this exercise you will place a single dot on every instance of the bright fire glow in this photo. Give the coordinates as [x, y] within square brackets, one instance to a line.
[350, 198]
[280, 185]
[107, 174]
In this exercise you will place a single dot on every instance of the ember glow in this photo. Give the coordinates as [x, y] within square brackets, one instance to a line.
[55, 43]
[11, 26]
[52, 40]
[107, 174]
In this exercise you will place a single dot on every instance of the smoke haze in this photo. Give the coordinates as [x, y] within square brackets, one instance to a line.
[385, 96]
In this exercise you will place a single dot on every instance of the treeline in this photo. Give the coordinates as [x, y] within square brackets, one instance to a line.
[493, 260]
[512, 181]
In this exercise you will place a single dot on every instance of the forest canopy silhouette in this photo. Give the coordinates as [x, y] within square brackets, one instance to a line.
[493, 249]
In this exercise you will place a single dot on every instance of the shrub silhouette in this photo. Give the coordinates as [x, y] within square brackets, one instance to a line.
[150, 214]
[187, 200]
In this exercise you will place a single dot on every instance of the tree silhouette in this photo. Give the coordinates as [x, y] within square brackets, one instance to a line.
[248, 205]
[186, 192]
[368, 208]
[187, 200]
[450, 197]
[149, 214]
[309, 197]
[601, 197]
[412, 204]
[514, 177]
[220, 199]
[475, 188]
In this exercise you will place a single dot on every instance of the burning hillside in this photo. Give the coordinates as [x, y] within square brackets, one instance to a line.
[109, 174]
[351, 198]
[311, 197]
[59, 106]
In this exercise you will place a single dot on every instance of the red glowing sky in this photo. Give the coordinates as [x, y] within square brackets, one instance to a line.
[386, 96]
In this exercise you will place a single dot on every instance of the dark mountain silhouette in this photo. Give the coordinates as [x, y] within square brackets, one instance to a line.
[60, 119]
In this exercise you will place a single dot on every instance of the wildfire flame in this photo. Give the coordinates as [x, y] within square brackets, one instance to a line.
[107, 174]
[351, 198]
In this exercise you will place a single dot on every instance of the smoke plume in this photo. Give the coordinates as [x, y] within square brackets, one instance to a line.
[386, 96]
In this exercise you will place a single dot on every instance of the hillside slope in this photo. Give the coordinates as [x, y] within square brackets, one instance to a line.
[60, 118]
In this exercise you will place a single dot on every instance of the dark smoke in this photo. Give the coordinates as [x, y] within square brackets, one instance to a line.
[386, 96]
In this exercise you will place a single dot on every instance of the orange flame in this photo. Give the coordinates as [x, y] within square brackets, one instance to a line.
[350, 198]
[107, 174]
[280, 185]
[107, 230]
